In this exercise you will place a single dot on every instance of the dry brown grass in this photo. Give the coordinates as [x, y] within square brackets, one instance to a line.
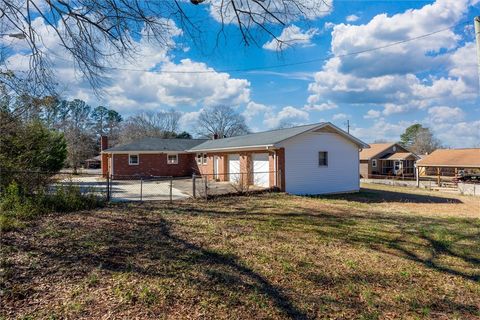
[383, 253]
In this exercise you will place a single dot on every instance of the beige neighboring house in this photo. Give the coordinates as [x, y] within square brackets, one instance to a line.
[387, 159]
[448, 162]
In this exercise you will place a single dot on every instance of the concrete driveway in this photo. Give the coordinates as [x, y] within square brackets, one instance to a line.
[128, 190]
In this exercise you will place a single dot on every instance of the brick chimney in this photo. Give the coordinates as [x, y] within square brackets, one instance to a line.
[103, 143]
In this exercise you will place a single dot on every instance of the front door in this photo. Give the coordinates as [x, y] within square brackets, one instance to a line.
[397, 167]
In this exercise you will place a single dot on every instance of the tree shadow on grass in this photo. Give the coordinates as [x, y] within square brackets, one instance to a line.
[426, 240]
[367, 195]
[144, 246]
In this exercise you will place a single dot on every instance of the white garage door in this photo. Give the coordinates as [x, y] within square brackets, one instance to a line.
[260, 170]
[234, 167]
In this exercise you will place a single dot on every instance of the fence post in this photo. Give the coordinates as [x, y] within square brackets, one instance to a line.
[141, 189]
[194, 177]
[171, 189]
[206, 186]
[108, 188]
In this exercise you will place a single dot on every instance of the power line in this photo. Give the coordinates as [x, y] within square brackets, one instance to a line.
[292, 63]
[392, 44]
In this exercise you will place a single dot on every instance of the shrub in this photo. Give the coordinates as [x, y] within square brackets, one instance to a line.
[17, 206]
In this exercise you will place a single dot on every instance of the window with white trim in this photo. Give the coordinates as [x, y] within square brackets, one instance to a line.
[172, 158]
[202, 158]
[323, 158]
[374, 163]
[133, 159]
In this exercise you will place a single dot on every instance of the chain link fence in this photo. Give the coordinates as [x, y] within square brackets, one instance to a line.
[142, 188]
[211, 185]
[39, 182]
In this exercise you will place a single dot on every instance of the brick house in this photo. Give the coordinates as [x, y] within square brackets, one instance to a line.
[311, 159]
[387, 159]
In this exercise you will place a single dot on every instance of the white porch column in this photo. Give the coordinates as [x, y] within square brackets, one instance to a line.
[417, 175]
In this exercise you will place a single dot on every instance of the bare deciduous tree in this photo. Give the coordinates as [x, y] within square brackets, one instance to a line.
[94, 31]
[425, 142]
[163, 124]
[222, 121]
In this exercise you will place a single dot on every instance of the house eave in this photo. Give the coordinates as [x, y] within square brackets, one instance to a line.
[143, 152]
[234, 149]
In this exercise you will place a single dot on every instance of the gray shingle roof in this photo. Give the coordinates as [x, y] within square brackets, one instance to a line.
[259, 139]
[158, 144]
[254, 139]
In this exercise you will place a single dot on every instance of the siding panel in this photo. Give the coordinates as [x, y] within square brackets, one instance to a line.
[303, 174]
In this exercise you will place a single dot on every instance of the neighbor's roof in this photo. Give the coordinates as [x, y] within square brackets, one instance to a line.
[157, 144]
[399, 156]
[268, 138]
[452, 158]
[375, 148]
[96, 158]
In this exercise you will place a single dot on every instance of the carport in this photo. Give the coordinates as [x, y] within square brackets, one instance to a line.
[449, 164]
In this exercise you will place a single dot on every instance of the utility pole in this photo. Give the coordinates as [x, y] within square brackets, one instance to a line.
[348, 126]
[477, 36]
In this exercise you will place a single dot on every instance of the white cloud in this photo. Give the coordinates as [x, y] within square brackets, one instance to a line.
[381, 130]
[127, 88]
[372, 114]
[390, 77]
[254, 109]
[459, 134]
[320, 107]
[383, 30]
[290, 115]
[450, 134]
[188, 121]
[291, 36]
[445, 114]
[352, 18]
[340, 116]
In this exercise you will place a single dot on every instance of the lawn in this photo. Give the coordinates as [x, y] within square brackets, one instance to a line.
[381, 254]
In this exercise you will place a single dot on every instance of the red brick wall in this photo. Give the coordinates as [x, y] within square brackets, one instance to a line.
[246, 165]
[155, 164]
[281, 168]
[104, 164]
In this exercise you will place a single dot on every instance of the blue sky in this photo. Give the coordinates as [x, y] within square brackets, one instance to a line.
[432, 80]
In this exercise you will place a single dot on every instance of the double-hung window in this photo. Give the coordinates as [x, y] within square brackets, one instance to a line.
[202, 158]
[172, 158]
[323, 158]
[133, 159]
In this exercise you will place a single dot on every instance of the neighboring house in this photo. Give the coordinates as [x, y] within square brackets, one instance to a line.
[448, 162]
[387, 159]
[311, 159]
[93, 163]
